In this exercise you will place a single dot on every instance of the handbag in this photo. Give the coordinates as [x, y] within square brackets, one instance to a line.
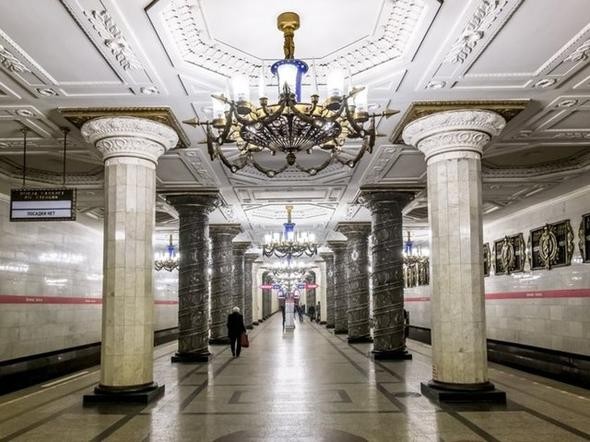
[245, 343]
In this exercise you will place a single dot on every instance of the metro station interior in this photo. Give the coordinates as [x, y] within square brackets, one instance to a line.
[391, 198]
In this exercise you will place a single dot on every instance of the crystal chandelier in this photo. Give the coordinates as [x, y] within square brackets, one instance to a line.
[288, 268]
[289, 244]
[167, 260]
[290, 127]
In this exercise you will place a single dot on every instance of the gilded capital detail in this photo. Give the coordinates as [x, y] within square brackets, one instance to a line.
[129, 137]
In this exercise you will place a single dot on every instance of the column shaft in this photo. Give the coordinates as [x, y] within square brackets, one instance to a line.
[329, 260]
[357, 279]
[238, 250]
[193, 276]
[249, 259]
[221, 281]
[130, 148]
[340, 295]
[453, 143]
[387, 275]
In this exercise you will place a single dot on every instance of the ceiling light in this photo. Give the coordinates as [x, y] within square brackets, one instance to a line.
[167, 260]
[289, 244]
[290, 127]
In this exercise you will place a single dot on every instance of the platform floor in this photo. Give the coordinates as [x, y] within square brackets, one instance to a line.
[304, 385]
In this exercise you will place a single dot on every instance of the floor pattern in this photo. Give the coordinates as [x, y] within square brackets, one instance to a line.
[302, 385]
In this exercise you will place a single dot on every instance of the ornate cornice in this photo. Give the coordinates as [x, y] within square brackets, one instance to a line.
[129, 137]
[508, 109]
[79, 116]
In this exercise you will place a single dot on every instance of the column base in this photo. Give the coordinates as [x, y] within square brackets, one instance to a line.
[392, 355]
[250, 327]
[219, 341]
[255, 323]
[191, 357]
[359, 339]
[140, 394]
[322, 322]
[329, 325]
[340, 331]
[447, 392]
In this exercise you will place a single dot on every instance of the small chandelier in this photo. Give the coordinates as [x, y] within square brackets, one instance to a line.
[290, 127]
[288, 268]
[289, 244]
[167, 260]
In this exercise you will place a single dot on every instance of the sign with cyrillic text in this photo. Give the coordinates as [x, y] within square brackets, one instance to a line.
[43, 205]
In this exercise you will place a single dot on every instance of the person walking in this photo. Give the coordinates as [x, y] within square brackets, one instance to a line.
[235, 329]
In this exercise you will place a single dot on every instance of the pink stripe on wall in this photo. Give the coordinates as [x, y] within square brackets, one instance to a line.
[536, 294]
[20, 299]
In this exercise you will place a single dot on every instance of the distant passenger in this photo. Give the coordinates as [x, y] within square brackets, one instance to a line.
[235, 328]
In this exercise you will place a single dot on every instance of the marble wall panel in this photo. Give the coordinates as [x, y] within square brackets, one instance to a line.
[561, 322]
[59, 262]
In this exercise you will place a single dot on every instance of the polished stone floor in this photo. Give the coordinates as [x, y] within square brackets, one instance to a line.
[304, 385]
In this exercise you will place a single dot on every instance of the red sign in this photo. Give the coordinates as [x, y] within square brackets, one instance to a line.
[266, 286]
[311, 286]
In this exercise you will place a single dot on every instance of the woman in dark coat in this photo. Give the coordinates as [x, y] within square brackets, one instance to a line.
[235, 328]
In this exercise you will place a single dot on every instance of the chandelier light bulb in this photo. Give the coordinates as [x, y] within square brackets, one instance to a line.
[218, 106]
[241, 88]
[287, 74]
[361, 100]
[336, 83]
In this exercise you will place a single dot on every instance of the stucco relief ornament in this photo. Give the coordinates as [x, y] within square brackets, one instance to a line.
[129, 136]
[483, 18]
[548, 247]
[10, 62]
[354, 255]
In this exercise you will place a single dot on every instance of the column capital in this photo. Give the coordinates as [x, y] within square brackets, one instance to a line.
[327, 255]
[129, 137]
[224, 229]
[351, 229]
[378, 198]
[239, 247]
[194, 202]
[251, 257]
[337, 246]
[453, 131]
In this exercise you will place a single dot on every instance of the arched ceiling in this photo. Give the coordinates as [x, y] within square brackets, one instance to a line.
[412, 54]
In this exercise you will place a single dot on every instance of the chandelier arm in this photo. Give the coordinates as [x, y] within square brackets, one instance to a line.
[316, 169]
[234, 167]
[263, 170]
[350, 118]
[358, 156]
[242, 120]
[226, 130]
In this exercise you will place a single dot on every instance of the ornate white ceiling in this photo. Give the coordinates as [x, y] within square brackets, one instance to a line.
[175, 53]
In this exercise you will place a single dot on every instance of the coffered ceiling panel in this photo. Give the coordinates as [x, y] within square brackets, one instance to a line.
[172, 54]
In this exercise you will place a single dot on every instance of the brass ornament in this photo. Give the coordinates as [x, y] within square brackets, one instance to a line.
[486, 260]
[507, 255]
[581, 242]
[548, 246]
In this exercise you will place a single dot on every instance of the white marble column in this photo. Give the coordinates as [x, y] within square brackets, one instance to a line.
[452, 143]
[130, 148]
